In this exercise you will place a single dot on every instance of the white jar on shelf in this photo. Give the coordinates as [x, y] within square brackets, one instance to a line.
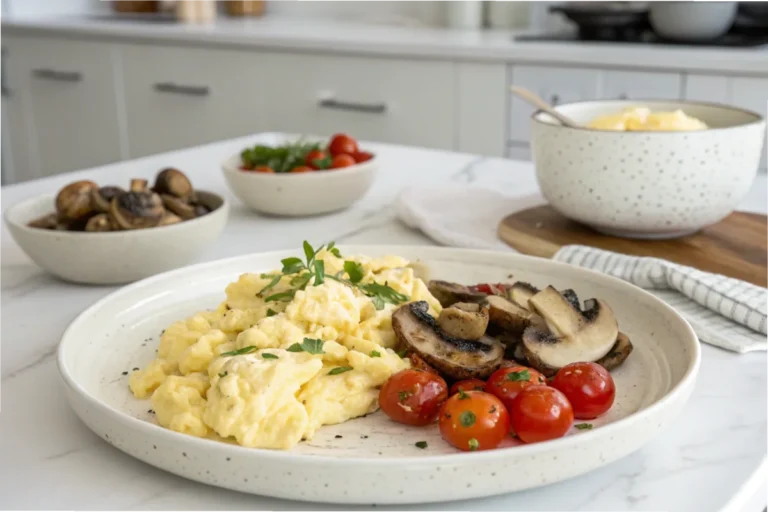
[466, 15]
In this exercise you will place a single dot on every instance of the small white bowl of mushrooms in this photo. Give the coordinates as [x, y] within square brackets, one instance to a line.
[107, 235]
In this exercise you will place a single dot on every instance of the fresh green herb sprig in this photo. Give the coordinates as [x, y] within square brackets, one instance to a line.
[281, 158]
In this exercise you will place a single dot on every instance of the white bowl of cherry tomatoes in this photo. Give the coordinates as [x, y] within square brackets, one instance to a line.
[300, 178]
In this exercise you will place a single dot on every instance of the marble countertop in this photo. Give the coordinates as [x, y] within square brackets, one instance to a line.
[711, 458]
[281, 33]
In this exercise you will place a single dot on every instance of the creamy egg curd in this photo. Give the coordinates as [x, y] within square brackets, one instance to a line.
[286, 352]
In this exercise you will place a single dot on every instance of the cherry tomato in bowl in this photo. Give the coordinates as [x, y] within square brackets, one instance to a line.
[301, 168]
[413, 397]
[315, 159]
[588, 386]
[474, 420]
[362, 156]
[467, 385]
[342, 160]
[506, 383]
[341, 143]
[540, 413]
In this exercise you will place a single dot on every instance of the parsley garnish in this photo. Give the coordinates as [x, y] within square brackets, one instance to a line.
[340, 369]
[272, 284]
[467, 419]
[421, 444]
[402, 353]
[244, 350]
[223, 374]
[354, 270]
[403, 395]
[473, 445]
[267, 355]
[333, 249]
[308, 345]
[519, 376]
[583, 426]
[281, 297]
[375, 353]
[271, 312]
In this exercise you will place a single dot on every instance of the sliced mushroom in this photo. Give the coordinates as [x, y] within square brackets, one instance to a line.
[573, 335]
[74, 200]
[571, 297]
[101, 222]
[137, 210]
[50, 221]
[449, 294]
[169, 218]
[454, 358]
[618, 354]
[102, 197]
[520, 292]
[464, 320]
[179, 207]
[174, 183]
[509, 315]
[201, 209]
[138, 185]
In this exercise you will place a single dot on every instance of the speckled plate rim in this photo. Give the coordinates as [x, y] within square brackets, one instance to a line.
[426, 252]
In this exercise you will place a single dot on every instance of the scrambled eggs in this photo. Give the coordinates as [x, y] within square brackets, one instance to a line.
[642, 119]
[240, 372]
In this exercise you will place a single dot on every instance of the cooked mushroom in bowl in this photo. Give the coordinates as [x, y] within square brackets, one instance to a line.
[111, 235]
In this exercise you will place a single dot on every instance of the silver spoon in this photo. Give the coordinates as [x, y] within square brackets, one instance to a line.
[532, 99]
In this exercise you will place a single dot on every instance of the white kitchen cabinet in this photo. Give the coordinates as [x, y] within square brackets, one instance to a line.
[640, 85]
[750, 93]
[181, 97]
[555, 85]
[15, 149]
[389, 100]
[482, 100]
[63, 101]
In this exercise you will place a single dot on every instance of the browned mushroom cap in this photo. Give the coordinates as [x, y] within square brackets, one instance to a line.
[510, 316]
[449, 294]
[521, 291]
[173, 182]
[137, 210]
[169, 218]
[138, 185]
[74, 200]
[618, 354]
[100, 222]
[464, 320]
[102, 197]
[50, 221]
[178, 206]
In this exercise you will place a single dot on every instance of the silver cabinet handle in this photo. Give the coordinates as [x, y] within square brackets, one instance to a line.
[57, 76]
[623, 96]
[189, 90]
[370, 108]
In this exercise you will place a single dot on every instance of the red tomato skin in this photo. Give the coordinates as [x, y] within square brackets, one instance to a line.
[588, 386]
[341, 143]
[342, 160]
[500, 385]
[301, 168]
[263, 168]
[490, 424]
[362, 156]
[467, 385]
[413, 397]
[540, 413]
[313, 155]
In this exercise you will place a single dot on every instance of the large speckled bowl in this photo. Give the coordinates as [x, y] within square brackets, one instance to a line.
[647, 184]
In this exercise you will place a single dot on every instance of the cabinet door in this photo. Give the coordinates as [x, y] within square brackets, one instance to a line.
[482, 100]
[388, 100]
[640, 85]
[181, 97]
[16, 149]
[555, 85]
[69, 102]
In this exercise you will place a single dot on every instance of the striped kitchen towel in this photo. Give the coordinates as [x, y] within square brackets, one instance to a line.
[724, 312]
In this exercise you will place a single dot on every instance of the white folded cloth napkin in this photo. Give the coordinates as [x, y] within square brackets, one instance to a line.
[724, 312]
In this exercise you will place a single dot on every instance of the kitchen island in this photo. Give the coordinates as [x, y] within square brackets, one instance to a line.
[711, 458]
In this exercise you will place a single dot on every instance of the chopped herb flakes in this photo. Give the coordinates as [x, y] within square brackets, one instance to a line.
[340, 369]
[310, 345]
[421, 444]
[375, 353]
[462, 394]
[467, 419]
[271, 312]
[223, 374]
[583, 426]
[267, 355]
[473, 444]
[403, 395]
[522, 375]
[244, 350]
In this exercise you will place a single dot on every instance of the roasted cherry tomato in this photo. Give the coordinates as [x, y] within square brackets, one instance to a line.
[507, 382]
[261, 168]
[343, 160]
[490, 289]
[540, 413]
[313, 156]
[467, 385]
[588, 386]
[362, 156]
[413, 397]
[474, 420]
[301, 168]
[341, 143]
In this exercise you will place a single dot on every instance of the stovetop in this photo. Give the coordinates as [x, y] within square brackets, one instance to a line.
[644, 35]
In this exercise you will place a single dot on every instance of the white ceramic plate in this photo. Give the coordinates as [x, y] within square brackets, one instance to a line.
[375, 460]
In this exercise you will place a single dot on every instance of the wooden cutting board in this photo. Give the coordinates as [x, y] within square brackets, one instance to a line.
[735, 246]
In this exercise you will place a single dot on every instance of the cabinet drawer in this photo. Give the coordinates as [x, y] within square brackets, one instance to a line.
[387, 100]
[640, 85]
[67, 92]
[181, 97]
[555, 85]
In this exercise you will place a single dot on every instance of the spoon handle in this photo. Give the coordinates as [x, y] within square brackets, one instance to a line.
[532, 99]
